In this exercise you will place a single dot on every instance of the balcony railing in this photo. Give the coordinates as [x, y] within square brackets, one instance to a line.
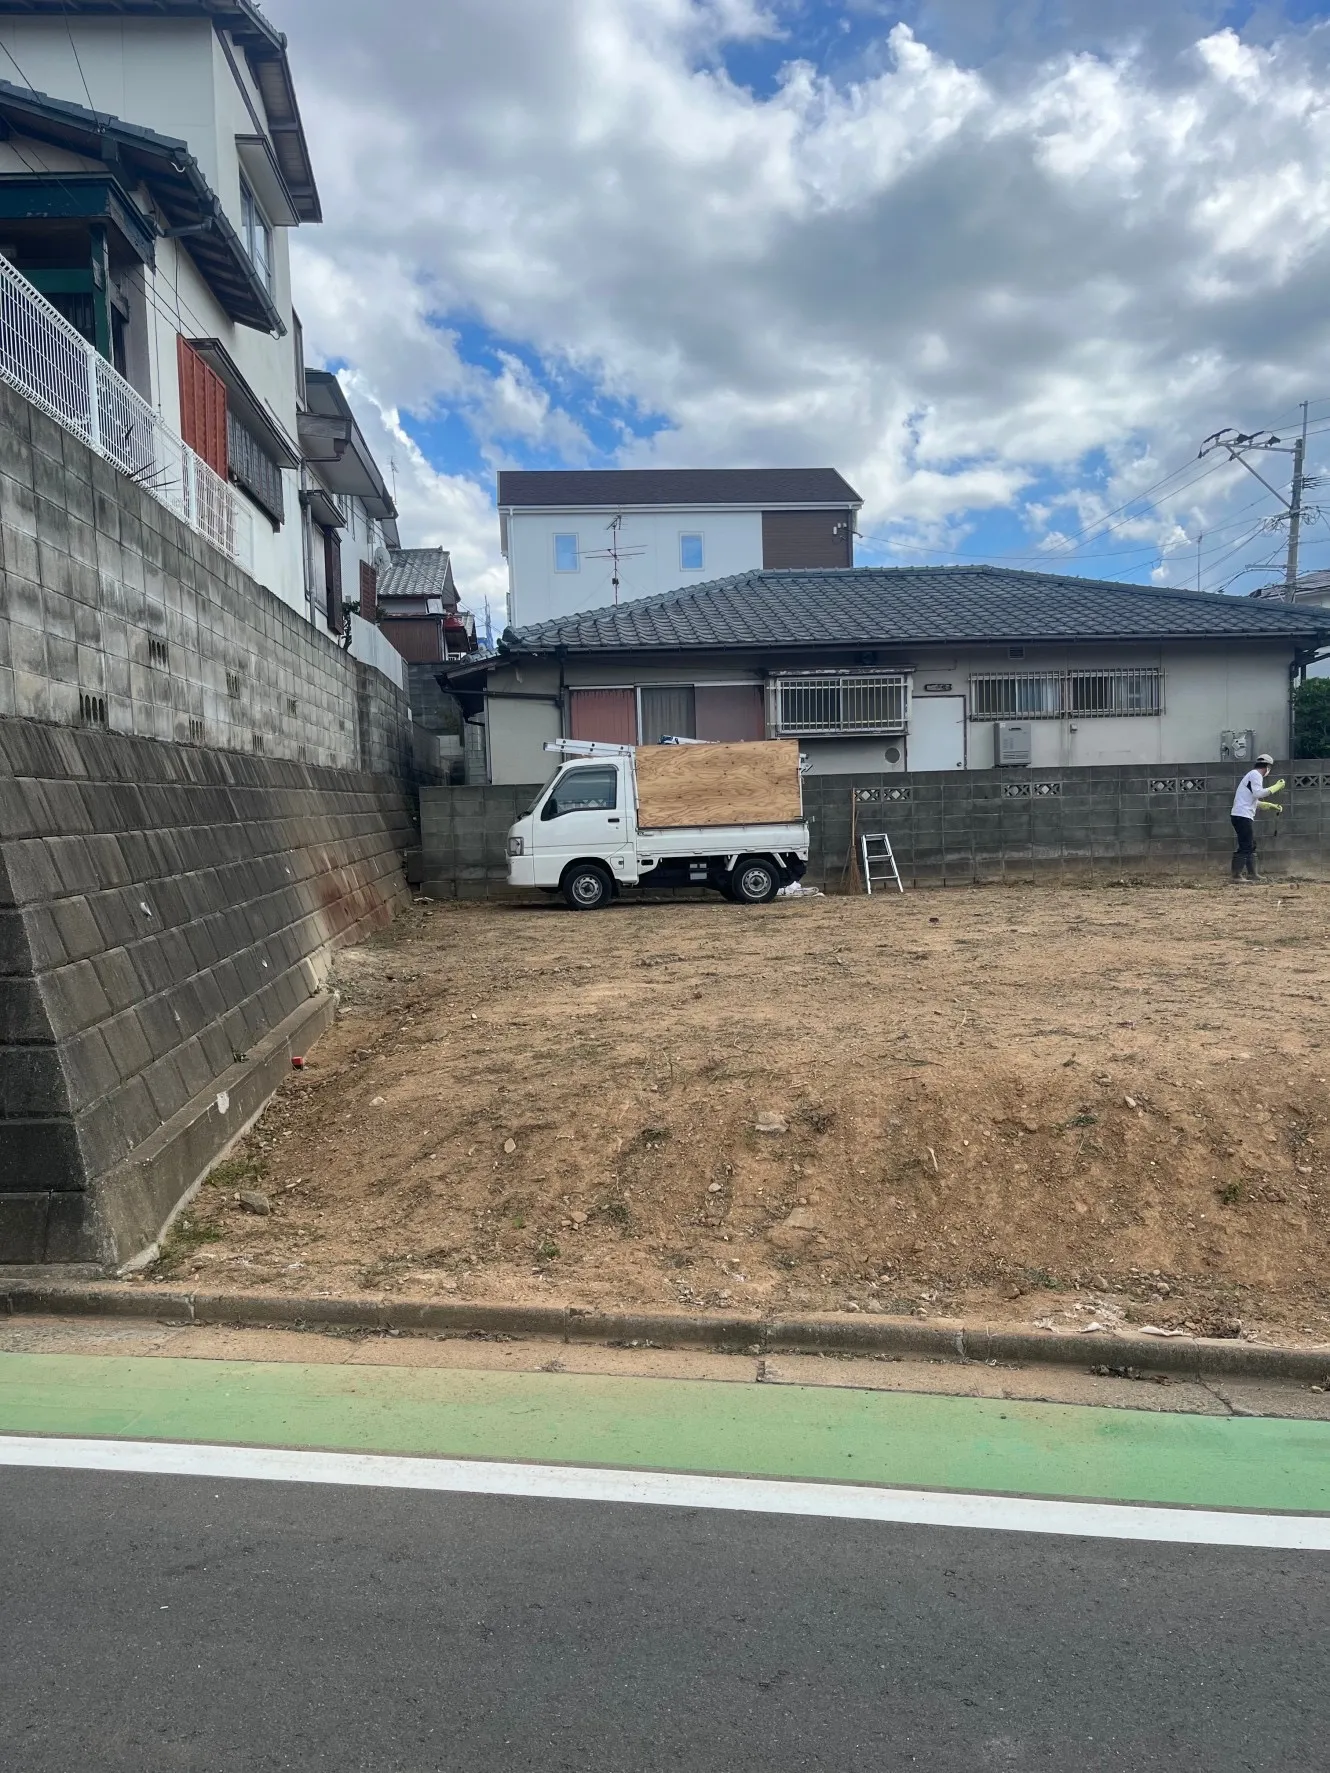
[56, 368]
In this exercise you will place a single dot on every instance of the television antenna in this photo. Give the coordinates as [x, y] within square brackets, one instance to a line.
[615, 552]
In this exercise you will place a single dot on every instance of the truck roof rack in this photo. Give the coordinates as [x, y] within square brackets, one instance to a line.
[589, 748]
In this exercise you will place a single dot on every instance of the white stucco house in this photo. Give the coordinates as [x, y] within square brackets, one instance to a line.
[913, 668]
[577, 539]
[152, 164]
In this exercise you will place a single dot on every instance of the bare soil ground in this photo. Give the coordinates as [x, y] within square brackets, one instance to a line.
[1048, 1106]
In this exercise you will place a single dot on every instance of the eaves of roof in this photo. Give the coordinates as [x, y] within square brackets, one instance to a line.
[165, 165]
[350, 469]
[264, 47]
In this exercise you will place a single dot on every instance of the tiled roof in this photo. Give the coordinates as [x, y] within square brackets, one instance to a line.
[913, 605]
[418, 572]
[611, 487]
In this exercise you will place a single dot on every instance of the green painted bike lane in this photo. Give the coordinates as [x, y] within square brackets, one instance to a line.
[774, 1431]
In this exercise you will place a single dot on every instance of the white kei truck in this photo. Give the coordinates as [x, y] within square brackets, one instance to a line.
[678, 814]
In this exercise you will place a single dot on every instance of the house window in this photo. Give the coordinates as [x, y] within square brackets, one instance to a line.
[669, 711]
[1052, 695]
[256, 234]
[876, 702]
[690, 553]
[567, 558]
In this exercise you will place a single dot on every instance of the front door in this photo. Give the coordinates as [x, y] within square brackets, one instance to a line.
[582, 815]
[936, 738]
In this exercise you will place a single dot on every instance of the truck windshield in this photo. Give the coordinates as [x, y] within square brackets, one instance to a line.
[582, 791]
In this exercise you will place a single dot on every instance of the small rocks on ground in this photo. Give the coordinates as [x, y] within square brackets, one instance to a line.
[253, 1200]
[510, 1146]
[772, 1123]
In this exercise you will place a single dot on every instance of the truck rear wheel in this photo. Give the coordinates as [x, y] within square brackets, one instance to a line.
[753, 881]
[587, 887]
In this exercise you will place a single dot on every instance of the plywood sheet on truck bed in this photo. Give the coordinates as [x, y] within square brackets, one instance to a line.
[753, 783]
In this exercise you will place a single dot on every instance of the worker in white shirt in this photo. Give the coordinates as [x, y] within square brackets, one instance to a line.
[1252, 793]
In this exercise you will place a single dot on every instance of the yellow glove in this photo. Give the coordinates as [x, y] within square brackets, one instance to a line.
[1275, 786]
[1269, 806]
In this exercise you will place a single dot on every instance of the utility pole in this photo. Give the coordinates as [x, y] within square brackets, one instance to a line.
[1295, 506]
[1200, 538]
[1240, 444]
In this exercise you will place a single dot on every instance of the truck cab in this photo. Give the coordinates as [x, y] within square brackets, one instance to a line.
[585, 814]
[582, 838]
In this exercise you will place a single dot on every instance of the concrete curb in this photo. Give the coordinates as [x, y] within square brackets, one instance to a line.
[728, 1334]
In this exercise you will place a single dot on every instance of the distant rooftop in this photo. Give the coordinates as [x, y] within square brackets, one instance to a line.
[418, 572]
[609, 488]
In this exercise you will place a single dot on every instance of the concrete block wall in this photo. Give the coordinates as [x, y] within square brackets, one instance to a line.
[961, 827]
[464, 838]
[113, 610]
[164, 911]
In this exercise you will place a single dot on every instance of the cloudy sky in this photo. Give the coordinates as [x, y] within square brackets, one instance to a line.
[1003, 263]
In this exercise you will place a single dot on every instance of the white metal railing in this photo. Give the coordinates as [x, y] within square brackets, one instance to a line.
[55, 367]
[843, 702]
[1052, 695]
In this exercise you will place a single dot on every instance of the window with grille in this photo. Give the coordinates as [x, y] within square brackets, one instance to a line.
[875, 702]
[1053, 695]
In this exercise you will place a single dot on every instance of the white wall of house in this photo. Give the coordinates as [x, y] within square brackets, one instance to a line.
[1208, 688]
[173, 76]
[731, 543]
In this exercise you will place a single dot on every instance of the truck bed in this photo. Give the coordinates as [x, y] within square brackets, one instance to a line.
[720, 840]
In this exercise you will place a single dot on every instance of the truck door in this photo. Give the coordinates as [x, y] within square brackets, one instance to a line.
[584, 814]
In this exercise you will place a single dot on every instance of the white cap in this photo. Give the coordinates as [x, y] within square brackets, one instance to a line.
[1265, 757]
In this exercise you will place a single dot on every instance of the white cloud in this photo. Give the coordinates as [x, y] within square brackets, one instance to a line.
[948, 281]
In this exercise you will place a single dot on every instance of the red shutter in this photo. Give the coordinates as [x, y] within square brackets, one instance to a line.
[608, 715]
[369, 593]
[202, 407]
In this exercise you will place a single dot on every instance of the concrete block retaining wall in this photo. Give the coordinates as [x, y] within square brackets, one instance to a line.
[963, 827]
[165, 911]
[113, 610]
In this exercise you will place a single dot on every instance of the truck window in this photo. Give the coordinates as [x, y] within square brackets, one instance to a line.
[582, 791]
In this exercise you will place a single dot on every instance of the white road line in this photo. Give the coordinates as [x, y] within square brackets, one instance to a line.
[572, 1483]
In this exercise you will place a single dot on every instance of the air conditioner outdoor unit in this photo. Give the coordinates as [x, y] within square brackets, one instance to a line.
[1011, 742]
[1237, 747]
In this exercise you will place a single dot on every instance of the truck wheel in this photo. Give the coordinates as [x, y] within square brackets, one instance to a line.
[753, 882]
[587, 887]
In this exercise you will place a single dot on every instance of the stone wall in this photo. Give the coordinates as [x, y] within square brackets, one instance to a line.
[962, 827]
[167, 917]
[115, 613]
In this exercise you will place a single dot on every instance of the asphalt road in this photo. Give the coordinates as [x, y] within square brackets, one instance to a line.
[163, 1623]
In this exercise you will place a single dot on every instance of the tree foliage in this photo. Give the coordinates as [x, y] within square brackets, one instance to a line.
[1311, 718]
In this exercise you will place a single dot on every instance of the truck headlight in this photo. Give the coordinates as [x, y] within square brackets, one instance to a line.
[514, 846]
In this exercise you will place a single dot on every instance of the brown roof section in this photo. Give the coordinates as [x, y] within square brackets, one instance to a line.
[612, 487]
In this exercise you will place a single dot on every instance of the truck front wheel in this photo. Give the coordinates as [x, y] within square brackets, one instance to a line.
[587, 887]
[753, 881]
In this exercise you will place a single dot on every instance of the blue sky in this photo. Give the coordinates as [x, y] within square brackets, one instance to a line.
[1003, 262]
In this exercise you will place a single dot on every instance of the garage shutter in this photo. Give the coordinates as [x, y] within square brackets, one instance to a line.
[607, 715]
[202, 407]
[729, 712]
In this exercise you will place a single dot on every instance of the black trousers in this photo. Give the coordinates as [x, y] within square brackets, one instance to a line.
[1245, 854]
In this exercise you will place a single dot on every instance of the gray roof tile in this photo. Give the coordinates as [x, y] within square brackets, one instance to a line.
[418, 572]
[913, 605]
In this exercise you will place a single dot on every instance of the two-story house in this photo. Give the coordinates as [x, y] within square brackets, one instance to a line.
[152, 162]
[583, 539]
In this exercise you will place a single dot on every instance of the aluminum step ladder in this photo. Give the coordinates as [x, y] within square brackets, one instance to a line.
[881, 855]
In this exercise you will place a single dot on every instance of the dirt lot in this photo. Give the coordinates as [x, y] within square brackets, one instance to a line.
[1049, 1106]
